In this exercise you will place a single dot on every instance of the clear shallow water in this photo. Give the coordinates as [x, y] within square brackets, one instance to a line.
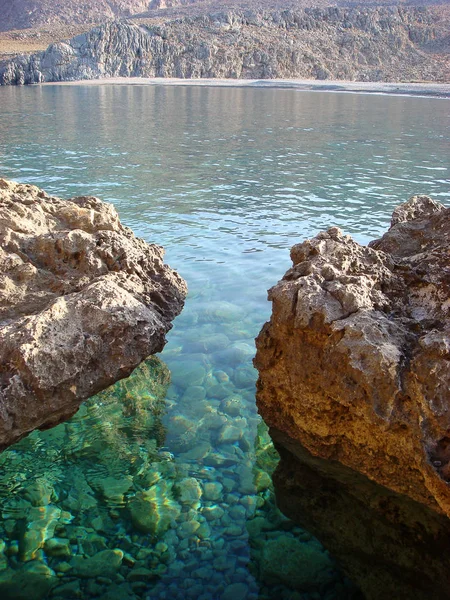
[227, 180]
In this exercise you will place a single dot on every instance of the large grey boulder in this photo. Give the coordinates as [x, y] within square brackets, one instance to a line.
[83, 302]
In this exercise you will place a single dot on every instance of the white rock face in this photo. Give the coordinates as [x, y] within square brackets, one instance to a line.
[374, 44]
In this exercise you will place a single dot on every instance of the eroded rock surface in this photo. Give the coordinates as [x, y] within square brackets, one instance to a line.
[359, 44]
[83, 302]
[355, 360]
[354, 367]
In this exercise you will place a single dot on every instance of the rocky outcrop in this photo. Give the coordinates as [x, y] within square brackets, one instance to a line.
[354, 383]
[83, 302]
[375, 44]
[21, 14]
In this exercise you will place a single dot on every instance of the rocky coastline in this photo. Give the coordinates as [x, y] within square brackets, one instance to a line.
[83, 303]
[354, 383]
[355, 44]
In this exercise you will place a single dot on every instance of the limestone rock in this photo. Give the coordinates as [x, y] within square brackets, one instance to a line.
[295, 564]
[353, 43]
[154, 510]
[32, 581]
[355, 360]
[354, 373]
[103, 564]
[83, 302]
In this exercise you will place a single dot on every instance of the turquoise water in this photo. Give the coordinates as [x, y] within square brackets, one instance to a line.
[158, 491]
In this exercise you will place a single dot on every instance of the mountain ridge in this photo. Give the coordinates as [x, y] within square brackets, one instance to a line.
[25, 14]
[376, 44]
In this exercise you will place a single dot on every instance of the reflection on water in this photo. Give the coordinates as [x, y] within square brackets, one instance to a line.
[167, 495]
[391, 546]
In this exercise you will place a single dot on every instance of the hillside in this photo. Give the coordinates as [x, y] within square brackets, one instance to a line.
[372, 44]
[22, 14]
[25, 14]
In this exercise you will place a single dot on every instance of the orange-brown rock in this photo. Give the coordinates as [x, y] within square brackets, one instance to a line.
[83, 302]
[354, 378]
[354, 363]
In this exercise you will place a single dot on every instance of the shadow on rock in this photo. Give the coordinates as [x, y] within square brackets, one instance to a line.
[283, 555]
[388, 544]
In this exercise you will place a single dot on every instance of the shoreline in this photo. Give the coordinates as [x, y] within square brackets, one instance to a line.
[429, 89]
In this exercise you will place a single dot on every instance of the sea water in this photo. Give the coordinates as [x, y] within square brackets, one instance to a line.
[160, 486]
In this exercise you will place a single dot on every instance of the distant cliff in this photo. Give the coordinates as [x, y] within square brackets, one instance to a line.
[377, 44]
[21, 14]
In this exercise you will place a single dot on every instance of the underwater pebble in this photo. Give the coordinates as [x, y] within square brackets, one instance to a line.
[71, 589]
[262, 481]
[152, 511]
[188, 491]
[194, 393]
[235, 355]
[63, 567]
[140, 574]
[245, 376]
[212, 421]
[235, 591]
[105, 563]
[39, 493]
[221, 376]
[229, 434]
[298, 565]
[188, 373]
[223, 563]
[195, 591]
[246, 485]
[232, 406]
[212, 490]
[199, 451]
[228, 484]
[113, 490]
[213, 513]
[233, 530]
[204, 531]
[221, 311]
[219, 391]
[237, 512]
[187, 529]
[202, 573]
[232, 498]
[32, 581]
[57, 547]
[209, 343]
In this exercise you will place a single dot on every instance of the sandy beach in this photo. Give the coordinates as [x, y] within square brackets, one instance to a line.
[439, 90]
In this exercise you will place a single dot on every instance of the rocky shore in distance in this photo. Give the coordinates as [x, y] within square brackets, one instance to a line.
[356, 44]
[354, 378]
[83, 303]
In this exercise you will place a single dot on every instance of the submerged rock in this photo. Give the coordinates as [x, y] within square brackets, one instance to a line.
[154, 510]
[298, 565]
[105, 564]
[83, 302]
[354, 374]
[32, 581]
